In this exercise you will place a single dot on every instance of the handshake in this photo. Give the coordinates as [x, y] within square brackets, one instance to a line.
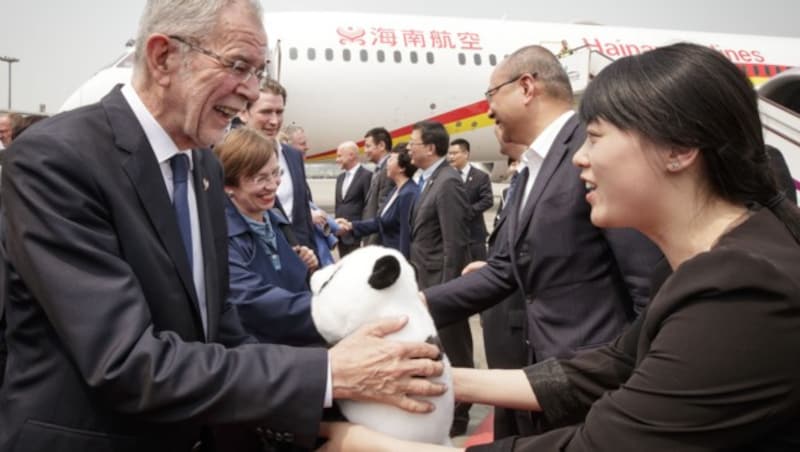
[345, 226]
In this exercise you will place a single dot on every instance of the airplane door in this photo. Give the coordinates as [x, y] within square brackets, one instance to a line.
[274, 61]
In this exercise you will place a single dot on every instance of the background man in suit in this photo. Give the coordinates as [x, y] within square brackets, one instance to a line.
[119, 335]
[351, 191]
[296, 137]
[439, 237]
[377, 144]
[582, 285]
[6, 127]
[266, 115]
[479, 196]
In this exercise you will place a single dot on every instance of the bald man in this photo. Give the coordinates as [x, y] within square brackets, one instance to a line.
[352, 187]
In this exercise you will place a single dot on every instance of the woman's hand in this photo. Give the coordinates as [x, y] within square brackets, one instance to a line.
[307, 256]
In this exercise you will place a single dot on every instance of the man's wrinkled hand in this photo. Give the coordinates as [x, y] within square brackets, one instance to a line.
[366, 367]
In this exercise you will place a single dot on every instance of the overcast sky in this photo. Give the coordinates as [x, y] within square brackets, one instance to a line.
[60, 44]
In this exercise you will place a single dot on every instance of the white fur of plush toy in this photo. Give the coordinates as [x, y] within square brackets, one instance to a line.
[368, 284]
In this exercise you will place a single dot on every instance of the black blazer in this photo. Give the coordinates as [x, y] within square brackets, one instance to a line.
[439, 235]
[711, 365]
[581, 284]
[302, 226]
[392, 226]
[106, 345]
[379, 189]
[480, 198]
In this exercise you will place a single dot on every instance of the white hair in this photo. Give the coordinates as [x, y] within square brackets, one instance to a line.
[191, 19]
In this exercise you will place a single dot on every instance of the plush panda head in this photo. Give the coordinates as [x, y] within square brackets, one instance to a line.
[369, 283]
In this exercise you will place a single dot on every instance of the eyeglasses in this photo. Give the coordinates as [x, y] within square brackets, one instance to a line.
[259, 180]
[240, 68]
[492, 91]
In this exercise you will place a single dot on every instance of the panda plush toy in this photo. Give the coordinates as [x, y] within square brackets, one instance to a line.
[368, 284]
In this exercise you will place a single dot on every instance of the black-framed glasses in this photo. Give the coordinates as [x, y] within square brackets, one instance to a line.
[242, 69]
[493, 90]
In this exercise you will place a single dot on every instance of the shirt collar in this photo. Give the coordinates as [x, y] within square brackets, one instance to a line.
[163, 146]
[352, 171]
[427, 173]
[537, 151]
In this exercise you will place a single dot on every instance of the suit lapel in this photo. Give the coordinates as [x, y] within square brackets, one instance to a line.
[339, 182]
[513, 205]
[555, 157]
[201, 187]
[144, 172]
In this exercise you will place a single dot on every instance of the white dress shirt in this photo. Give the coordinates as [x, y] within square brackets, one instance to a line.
[164, 148]
[285, 189]
[537, 151]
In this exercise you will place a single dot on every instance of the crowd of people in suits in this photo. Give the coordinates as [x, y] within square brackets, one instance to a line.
[640, 291]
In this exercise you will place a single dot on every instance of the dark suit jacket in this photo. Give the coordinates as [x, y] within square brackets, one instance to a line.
[379, 188]
[302, 225]
[352, 206]
[393, 226]
[107, 347]
[711, 365]
[581, 283]
[480, 199]
[439, 235]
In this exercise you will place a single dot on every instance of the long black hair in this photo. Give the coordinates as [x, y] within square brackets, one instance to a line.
[688, 96]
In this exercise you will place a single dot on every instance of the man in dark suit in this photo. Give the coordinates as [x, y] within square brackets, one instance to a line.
[479, 196]
[582, 285]
[118, 331]
[266, 115]
[377, 144]
[439, 237]
[351, 191]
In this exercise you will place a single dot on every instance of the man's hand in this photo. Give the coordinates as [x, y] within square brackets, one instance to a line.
[473, 266]
[307, 256]
[364, 366]
[345, 226]
[319, 217]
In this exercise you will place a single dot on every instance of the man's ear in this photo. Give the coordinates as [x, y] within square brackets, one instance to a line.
[385, 272]
[161, 57]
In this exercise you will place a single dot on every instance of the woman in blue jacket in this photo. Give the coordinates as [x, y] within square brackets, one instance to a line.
[268, 275]
[392, 222]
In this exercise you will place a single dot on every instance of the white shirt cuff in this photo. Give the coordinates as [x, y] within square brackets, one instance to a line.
[328, 387]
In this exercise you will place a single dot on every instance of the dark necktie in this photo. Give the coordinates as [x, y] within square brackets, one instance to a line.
[180, 200]
[512, 187]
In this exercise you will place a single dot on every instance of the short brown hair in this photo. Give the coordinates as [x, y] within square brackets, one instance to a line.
[243, 152]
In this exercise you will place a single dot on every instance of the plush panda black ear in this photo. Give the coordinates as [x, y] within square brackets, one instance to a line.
[385, 272]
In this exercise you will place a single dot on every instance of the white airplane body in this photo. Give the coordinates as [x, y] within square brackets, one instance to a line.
[347, 72]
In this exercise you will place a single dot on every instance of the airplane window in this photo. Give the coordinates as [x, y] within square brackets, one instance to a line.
[477, 58]
[429, 57]
[462, 59]
[381, 56]
[312, 53]
[398, 56]
[293, 53]
[329, 54]
[493, 60]
[346, 54]
[413, 57]
[364, 55]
